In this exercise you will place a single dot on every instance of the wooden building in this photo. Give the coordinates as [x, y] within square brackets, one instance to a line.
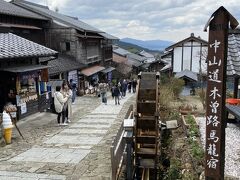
[188, 54]
[123, 70]
[23, 80]
[154, 66]
[132, 62]
[149, 57]
[22, 22]
[70, 36]
[233, 60]
[167, 69]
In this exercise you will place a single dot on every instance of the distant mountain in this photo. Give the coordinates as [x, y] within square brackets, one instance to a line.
[135, 48]
[159, 45]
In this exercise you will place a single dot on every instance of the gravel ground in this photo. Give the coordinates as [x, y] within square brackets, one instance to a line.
[232, 148]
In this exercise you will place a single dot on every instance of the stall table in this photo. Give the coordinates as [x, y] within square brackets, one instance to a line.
[234, 110]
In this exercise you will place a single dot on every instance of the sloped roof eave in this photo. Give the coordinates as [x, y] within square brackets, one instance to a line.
[32, 7]
[186, 40]
[14, 46]
[64, 63]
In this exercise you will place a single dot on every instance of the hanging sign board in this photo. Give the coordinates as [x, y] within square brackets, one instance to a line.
[23, 108]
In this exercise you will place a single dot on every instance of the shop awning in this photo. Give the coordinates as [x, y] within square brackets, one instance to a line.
[24, 68]
[108, 70]
[92, 70]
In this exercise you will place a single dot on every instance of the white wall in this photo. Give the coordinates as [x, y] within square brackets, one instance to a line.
[177, 57]
[196, 59]
[177, 64]
[186, 58]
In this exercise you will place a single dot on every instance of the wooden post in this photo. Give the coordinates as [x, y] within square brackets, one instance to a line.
[216, 92]
[236, 80]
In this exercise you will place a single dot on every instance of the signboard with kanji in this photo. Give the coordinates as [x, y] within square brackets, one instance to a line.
[216, 92]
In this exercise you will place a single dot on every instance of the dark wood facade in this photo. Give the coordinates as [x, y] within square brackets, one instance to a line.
[31, 29]
[25, 88]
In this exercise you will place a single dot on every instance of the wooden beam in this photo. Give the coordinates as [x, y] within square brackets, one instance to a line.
[235, 93]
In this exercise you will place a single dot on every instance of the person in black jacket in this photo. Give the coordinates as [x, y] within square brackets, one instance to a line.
[116, 94]
[134, 84]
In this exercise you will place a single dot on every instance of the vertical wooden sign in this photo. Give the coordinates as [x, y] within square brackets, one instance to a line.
[216, 92]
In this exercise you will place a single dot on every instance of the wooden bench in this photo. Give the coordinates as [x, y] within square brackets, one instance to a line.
[234, 110]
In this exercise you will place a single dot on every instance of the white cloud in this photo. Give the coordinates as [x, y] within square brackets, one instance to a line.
[149, 19]
[57, 4]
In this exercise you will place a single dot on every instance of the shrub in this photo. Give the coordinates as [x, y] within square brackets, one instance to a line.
[177, 86]
[114, 82]
[229, 93]
[196, 150]
[174, 115]
[174, 170]
[164, 79]
[166, 96]
[202, 94]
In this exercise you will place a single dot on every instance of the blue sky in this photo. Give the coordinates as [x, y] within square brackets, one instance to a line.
[171, 20]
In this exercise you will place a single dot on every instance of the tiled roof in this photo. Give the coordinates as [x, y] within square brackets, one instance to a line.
[132, 56]
[145, 65]
[25, 68]
[119, 59]
[166, 67]
[146, 54]
[233, 59]
[191, 38]
[109, 69]
[123, 68]
[92, 70]
[188, 74]
[134, 62]
[13, 10]
[13, 46]
[123, 56]
[108, 36]
[81, 26]
[63, 63]
[121, 51]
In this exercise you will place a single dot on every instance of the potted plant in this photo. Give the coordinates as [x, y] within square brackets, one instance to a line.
[186, 109]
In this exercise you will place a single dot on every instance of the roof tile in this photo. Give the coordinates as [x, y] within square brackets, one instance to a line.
[57, 16]
[13, 46]
[11, 9]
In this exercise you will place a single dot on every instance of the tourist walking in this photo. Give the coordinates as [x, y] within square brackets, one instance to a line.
[124, 87]
[66, 91]
[129, 86]
[134, 85]
[74, 90]
[103, 92]
[112, 90]
[116, 93]
[59, 102]
[120, 88]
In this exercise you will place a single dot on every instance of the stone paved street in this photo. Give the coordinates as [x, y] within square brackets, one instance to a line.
[78, 151]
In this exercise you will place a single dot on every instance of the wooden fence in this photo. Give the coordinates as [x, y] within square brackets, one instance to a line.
[118, 147]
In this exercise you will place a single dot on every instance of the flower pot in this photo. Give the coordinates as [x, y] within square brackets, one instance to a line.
[186, 112]
[232, 101]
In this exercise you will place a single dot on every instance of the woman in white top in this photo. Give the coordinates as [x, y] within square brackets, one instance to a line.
[59, 101]
[66, 91]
